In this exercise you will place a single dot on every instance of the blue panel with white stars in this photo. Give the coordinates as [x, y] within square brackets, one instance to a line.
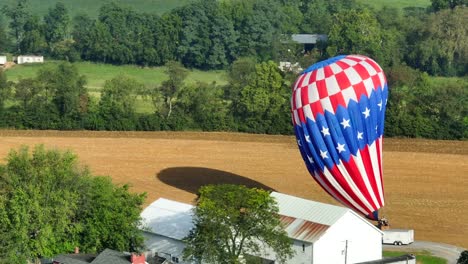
[333, 138]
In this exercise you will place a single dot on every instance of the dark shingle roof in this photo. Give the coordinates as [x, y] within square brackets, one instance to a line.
[75, 258]
[109, 256]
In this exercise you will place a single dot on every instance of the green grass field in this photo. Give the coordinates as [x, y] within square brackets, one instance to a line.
[91, 7]
[378, 4]
[423, 257]
[96, 74]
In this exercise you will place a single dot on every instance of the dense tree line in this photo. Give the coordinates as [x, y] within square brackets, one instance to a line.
[50, 205]
[213, 34]
[243, 37]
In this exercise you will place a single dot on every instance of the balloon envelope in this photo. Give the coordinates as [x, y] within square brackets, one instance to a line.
[338, 111]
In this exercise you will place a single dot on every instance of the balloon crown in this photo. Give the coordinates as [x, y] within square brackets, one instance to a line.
[324, 63]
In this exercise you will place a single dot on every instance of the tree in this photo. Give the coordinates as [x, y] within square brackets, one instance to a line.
[50, 205]
[117, 105]
[5, 90]
[463, 259]
[263, 105]
[33, 40]
[441, 46]
[18, 15]
[171, 87]
[69, 94]
[438, 5]
[205, 105]
[355, 32]
[232, 221]
[56, 26]
[4, 38]
[207, 38]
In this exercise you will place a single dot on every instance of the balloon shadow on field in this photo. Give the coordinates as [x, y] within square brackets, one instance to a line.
[190, 179]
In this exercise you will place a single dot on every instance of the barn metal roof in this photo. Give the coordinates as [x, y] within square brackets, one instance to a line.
[168, 218]
[304, 220]
[308, 210]
[308, 38]
[303, 230]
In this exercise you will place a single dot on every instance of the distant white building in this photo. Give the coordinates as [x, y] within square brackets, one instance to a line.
[321, 233]
[29, 59]
[3, 60]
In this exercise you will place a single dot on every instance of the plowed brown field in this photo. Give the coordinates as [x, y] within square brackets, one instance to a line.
[426, 182]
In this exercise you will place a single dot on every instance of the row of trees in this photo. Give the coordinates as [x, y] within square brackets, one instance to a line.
[50, 205]
[255, 100]
[213, 34]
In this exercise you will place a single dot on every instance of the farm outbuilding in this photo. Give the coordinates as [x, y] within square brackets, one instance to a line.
[29, 59]
[321, 233]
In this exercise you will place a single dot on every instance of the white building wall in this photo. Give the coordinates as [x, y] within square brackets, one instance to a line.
[30, 59]
[363, 241]
[165, 247]
[302, 255]
[3, 60]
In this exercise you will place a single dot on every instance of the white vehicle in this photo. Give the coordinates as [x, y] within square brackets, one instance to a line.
[398, 236]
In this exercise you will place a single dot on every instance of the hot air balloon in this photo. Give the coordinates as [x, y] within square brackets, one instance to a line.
[338, 111]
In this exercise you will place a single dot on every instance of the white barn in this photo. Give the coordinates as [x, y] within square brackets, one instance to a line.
[3, 60]
[29, 59]
[321, 233]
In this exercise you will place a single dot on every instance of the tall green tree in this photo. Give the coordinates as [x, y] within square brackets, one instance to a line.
[5, 90]
[442, 45]
[171, 87]
[33, 41]
[117, 105]
[207, 38]
[264, 102]
[232, 221]
[18, 14]
[57, 23]
[68, 92]
[204, 103]
[438, 5]
[355, 32]
[4, 38]
[50, 205]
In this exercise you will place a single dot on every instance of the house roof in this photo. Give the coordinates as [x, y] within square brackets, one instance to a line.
[303, 230]
[303, 219]
[308, 38]
[109, 256]
[320, 213]
[74, 259]
[168, 218]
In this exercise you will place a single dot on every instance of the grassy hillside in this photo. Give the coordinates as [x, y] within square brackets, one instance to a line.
[91, 7]
[97, 74]
[396, 3]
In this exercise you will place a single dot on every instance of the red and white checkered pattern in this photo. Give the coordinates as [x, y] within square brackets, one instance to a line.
[328, 87]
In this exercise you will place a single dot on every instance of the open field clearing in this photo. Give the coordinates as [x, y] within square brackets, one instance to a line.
[425, 181]
[91, 7]
[97, 73]
[401, 4]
